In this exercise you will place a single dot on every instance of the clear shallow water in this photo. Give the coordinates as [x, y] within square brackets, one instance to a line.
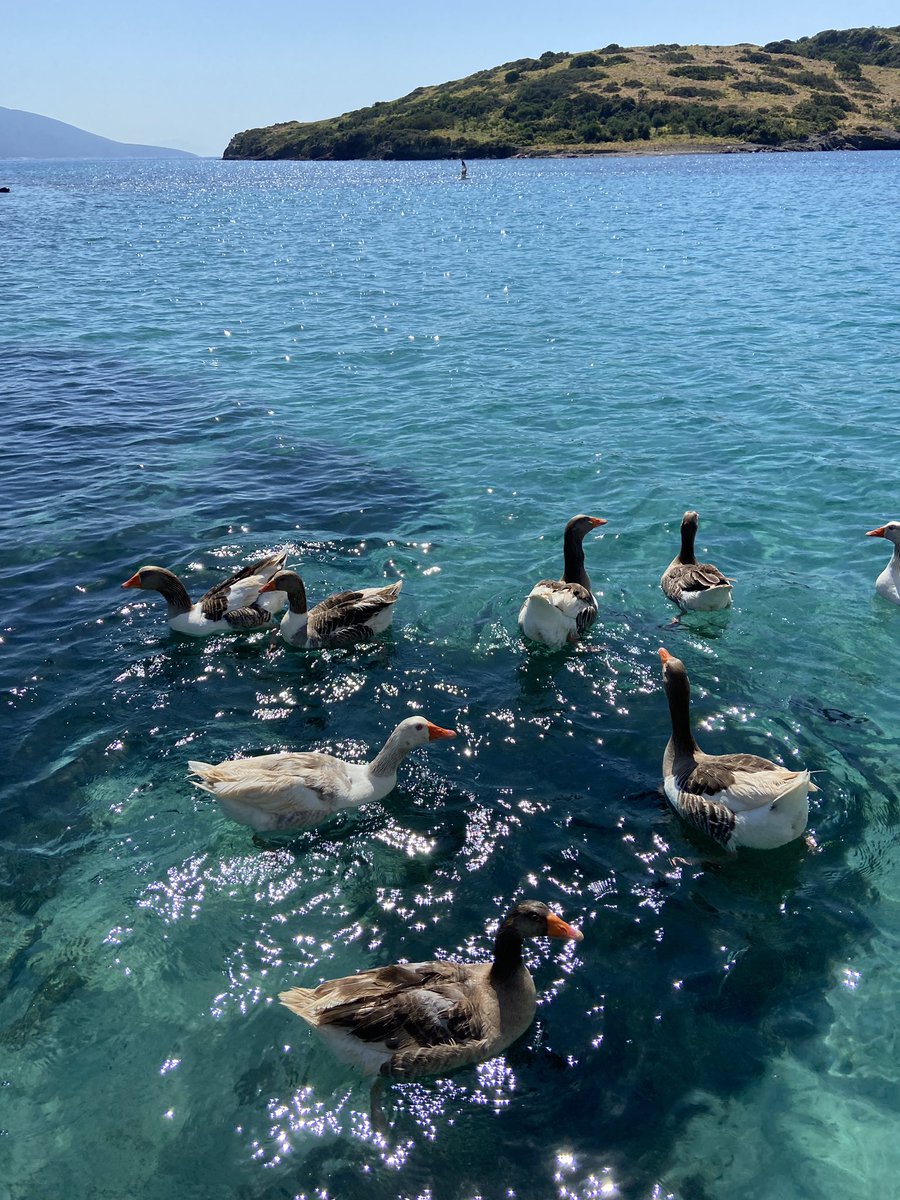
[396, 374]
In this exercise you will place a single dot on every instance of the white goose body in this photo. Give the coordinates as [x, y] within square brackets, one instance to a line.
[271, 792]
[557, 611]
[695, 587]
[736, 799]
[888, 582]
[233, 605]
[340, 620]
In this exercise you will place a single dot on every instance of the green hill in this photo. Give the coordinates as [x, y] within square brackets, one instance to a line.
[839, 88]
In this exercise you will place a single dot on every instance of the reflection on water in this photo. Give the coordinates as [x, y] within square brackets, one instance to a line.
[431, 395]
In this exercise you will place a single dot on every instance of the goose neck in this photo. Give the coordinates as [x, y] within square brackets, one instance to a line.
[389, 757]
[507, 954]
[174, 593]
[688, 534]
[573, 562]
[678, 694]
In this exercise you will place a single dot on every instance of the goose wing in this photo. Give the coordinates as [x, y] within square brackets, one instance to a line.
[742, 782]
[409, 1007]
[572, 599]
[265, 567]
[692, 577]
[344, 618]
[278, 784]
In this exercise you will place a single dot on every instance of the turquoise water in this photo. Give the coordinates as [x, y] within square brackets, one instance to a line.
[396, 374]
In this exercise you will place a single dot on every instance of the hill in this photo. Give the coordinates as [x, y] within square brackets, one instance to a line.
[27, 135]
[840, 88]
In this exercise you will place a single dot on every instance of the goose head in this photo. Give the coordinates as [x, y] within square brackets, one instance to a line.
[290, 582]
[417, 731]
[578, 528]
[532, 918]
[675, 676]
[152, 579]
[890, 531]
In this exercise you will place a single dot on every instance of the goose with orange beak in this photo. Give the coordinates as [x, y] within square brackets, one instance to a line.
[888, 582]
[557, 611]
[736, 799]
[428, 1018]
[272, 792]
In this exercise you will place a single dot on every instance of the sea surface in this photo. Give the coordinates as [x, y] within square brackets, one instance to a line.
[397, 374]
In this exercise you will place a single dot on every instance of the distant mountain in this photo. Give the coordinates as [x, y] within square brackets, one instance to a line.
[837, 90]
[27, 135]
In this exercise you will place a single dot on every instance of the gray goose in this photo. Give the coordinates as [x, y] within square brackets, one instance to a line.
[231, 605]
[695, 586]
[340, 620]
[557, 611]
[429, 1018]
[736, 799]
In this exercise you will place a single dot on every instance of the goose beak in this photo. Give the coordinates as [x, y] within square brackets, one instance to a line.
[557, 927]
[876, 532]
[595, 521]
[134, 581]
[664, 655]
[267, 587]
[435, 732]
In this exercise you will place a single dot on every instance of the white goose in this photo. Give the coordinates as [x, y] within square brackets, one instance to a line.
[293, 791]
[695, 586]
[233, 604]
[888, 582]
[557, 611]
[737, 799]
[339, 620]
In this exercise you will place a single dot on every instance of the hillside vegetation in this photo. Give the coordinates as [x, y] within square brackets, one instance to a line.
[840, 87]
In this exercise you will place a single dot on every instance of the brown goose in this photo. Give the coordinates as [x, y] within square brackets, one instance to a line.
[737, 799]
[693, 585]
[557, 611]
[431, 1017]
[233, 604]
[340, 620]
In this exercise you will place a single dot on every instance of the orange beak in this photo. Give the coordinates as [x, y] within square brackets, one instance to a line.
[557, 927]
[134, 581]
[267, 587]
[595, 521]
[664, 655]
[435, 732]
[876, 532]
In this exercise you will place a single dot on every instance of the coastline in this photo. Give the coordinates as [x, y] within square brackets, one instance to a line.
[864, 139]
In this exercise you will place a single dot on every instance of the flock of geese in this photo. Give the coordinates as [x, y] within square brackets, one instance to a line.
[414, 1019]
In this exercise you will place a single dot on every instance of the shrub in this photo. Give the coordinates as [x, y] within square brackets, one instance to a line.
[812, 79]
[701, 72]
[700, 92]
[772, 86]
[584, 60]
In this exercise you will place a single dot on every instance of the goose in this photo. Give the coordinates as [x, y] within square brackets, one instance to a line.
[293, 791]
[695, 586]
[429, 1018]
[737, 799]
[233, 604]
[888, 582]
[557, 611]
[340, 620]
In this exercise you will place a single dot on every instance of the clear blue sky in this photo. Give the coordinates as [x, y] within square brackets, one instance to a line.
[190, 73]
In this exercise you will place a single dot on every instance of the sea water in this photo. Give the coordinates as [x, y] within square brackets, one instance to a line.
[396, 374]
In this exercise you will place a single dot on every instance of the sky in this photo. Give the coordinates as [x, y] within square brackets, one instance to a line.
[191, 73]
